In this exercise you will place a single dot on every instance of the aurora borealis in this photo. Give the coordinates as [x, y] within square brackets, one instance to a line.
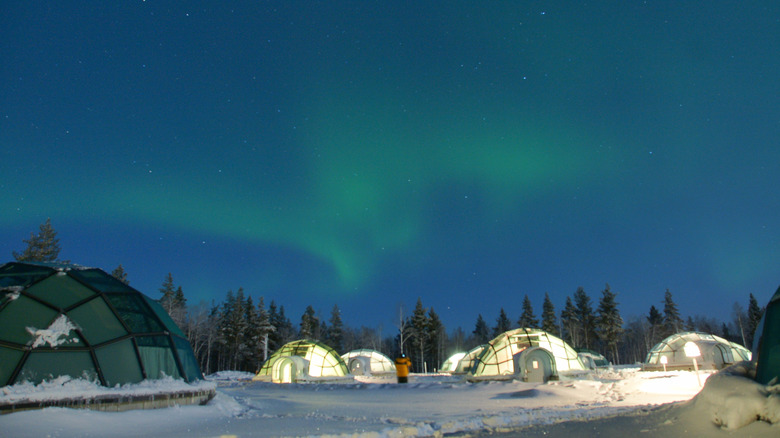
[365, 154]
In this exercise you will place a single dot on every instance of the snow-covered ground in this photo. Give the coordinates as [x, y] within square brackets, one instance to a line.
[608, 403]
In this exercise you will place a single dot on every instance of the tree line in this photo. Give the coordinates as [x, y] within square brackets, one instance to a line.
[241, 332]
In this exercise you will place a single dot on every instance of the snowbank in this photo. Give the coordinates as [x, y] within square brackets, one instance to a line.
[731, 399]
[65, 387]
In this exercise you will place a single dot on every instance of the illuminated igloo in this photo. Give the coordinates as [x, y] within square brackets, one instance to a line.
[461, 363]
[713, 351]
[365, 362]
[302, 360]
[529, 354]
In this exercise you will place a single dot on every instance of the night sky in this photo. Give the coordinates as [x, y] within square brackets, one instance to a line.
[366, 154]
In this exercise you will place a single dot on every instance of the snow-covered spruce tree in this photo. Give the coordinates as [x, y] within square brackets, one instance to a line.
[570, 324]
[284, 331]
[419, 332]
[549, 319]
[754, 314]
[253, 338]
[42, 247]
[690, 325]
[655, 332]
[437, 340]
[673, 323]
[527, 318]
[609, 323]
[310, 324]
[179, 311]
[120, 274]
[173, 301]
[168, 292]
[502, 323]
[586, 317]
[481, 331]
[265, 328]
[335, 334]
[232, 327]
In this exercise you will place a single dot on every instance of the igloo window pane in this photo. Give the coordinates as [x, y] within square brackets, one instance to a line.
[9, 360]
[135, 313]
[60, 291]
[97, 322]
[22, 275]
[119, 363]
[187, 358]
[101, 281]
[46, 365]
[21, 313]
[157, 356]
[164, 317]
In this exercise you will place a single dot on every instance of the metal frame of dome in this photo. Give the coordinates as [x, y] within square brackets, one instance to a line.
[64, 319]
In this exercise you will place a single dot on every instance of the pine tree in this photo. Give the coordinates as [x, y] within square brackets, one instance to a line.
[335, 338]
[120, 274]
[42, 247]
[168, 292]
[549, 323]
[283, 332]
[481, 331]
[437, 337]
[502, 323]
[284, 327]
[655, 319]
[252, 338]
[673, 323]
[231, 329]
[754, 314]
[609, 323]
[527, 318]
[310, 324]
[570, 323]
[264, 327]
[419, 331]
[585, 316]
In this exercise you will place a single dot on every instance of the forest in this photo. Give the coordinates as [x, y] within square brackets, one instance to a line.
[240, 332]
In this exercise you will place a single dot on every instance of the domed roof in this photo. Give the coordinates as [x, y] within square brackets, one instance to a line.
[318, 360]
[62, 319]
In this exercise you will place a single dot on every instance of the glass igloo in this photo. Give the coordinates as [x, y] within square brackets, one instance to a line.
[715, 352]
[368, 362]
[302, 360]
[531, 354]
[68, 320]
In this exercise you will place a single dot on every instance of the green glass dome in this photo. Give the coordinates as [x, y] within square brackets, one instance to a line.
[67, 320]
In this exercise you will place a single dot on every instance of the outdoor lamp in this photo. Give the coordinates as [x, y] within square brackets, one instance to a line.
[692, 351]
